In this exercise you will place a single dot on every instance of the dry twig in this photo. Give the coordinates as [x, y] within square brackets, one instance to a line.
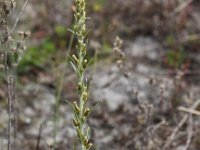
[190, 132]
[17, 20]
[172, 136]
[182, 6]
[191, 111]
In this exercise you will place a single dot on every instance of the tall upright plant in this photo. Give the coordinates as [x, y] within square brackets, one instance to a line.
[79, 63]
[10, 52]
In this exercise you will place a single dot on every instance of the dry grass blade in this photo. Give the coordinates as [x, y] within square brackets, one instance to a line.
[187, 110]
[185, 118]
[17, 20]
[182, 6]
[190, 132]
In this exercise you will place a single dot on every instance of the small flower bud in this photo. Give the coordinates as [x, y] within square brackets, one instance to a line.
[119, 63]
[85, 63]
[121, 54]
[77, 15]
[75, 28]
[73, 8]
[86, 113]
[77, 109]
[76, 124]
[84, 48]
[89, 145]
[20, 33]
[85, 96]
[85, 141]
[79, 87]
[23, 47]
[116, 50]
[75, 58]
[27, 34]
[50, 143]
[13, 4]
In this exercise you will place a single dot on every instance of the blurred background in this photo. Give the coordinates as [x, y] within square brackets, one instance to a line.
[139, 98]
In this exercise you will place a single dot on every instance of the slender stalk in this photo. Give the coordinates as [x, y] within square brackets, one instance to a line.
[56, 106]
[79, 63]
[9, 49]
[59, 91]
[10, 99]
[5, 10]
[17, 20]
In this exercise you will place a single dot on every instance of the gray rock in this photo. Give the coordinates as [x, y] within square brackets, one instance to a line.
[110, 85]
[111, 88]
[143, 47]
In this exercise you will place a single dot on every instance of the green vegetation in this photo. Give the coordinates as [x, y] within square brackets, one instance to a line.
[37, 56]
[79, 64]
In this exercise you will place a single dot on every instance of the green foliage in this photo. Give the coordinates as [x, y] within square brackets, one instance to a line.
[170, 40]
[98, 5]
[79, 63]
[175, 58]
[60, 31]
[1, 76]
[107, 48]
[37, 56]
[175, 55]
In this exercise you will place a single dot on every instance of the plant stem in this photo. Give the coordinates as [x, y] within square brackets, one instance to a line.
[59, 90]
[79, 63]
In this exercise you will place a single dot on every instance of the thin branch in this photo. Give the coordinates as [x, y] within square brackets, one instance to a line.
[187, 110]
[17, 20]
[39, 137]
[190, 132]
[182, 6]
[172, 136]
